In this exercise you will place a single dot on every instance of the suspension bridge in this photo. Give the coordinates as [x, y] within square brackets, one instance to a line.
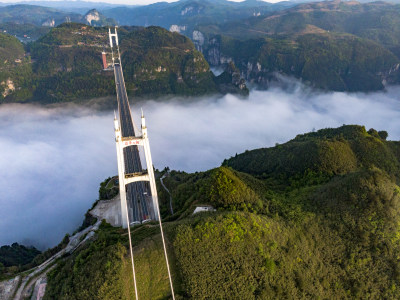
[138, 193]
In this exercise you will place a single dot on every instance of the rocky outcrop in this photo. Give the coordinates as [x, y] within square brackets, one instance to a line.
[391, 76]
[177, 28]
[94, 18]
[92, 15]
[8, 287]
[231, 81]
[320, 61]
[186, 10]
[192, 9]
[212, 53]
[256, 74]
[8, 87]
[198, 40]
[49, 23]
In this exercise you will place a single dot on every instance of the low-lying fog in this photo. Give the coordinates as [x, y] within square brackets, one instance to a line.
[53, 159]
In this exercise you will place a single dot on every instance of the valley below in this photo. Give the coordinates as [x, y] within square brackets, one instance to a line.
[67, 149]
[275, 139]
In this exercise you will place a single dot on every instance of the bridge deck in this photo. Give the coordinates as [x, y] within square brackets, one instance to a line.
[139, 204]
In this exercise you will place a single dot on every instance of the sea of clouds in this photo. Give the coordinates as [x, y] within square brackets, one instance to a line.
[52, 159]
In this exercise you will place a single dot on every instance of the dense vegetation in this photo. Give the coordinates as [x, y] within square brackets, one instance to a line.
[15, 68]
[16, 255]
[67, 65]
[10, 49]
[18, 258]
[316, 217]
[157, 60]
[330, 45]
[326, 152]
[24, 32]
[37, 15]
[190, 13]
[22, 15]
[376, 21]
[330, 61]
[108, 188]
[100, 270]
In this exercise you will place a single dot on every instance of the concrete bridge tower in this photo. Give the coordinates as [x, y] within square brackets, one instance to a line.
[136, 185]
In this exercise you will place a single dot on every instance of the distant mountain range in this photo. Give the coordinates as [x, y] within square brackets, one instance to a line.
[331, 45]
[48, 17]
[80, 7]
[314, 218]
[192, 12]
[66, 64]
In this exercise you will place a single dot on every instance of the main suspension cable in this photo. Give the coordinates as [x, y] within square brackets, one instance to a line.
[165, 251]
[131, 251]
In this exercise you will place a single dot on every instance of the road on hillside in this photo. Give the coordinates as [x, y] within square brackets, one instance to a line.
[137, 192]
[28, 282]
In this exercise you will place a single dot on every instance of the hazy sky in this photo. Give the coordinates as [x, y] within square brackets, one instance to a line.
[131, 2]
[52, 160]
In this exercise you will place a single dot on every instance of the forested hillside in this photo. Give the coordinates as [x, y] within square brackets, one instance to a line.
[66, 65]
[188, 13]
[316, 217]
[15, 68]
[37, 15]
[331, 61]
[42, 16]
[159, 61]
[24, 32]
[331, 45]
[17, 255]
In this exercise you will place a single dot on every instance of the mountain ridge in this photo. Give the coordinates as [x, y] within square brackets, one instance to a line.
[332, 32]
[327, 45]
[44, 16]
[66, 65]
[315, 232]
[316, 216]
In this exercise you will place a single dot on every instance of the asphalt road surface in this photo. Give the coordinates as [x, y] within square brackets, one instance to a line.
[139, 205]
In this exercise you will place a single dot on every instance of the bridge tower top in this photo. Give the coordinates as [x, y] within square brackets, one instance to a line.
[115, 36]
[111, 35]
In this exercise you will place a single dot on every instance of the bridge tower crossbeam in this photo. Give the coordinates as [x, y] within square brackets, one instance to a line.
[136, 174]
[127, 178]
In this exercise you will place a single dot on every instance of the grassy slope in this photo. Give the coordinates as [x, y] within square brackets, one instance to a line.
[317, 217]
[102, 270]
